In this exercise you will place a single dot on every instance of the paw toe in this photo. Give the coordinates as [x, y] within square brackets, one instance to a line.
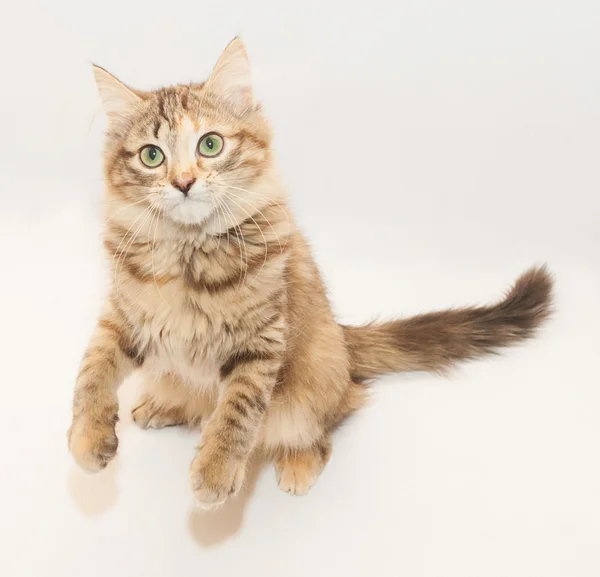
[296, 481]
[148, 416]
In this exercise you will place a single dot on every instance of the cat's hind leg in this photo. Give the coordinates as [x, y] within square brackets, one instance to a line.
[305, 437]
[166, 402]
[153, 413]
[297, 470]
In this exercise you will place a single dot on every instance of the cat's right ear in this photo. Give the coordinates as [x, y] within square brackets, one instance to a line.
[118, 100]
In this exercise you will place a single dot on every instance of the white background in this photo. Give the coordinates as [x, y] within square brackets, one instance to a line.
[432, 150]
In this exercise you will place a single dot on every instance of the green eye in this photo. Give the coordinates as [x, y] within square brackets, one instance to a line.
[210, 144]
[152, 156]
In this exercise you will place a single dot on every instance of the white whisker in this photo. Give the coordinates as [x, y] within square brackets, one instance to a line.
[122, 256]
[259, 194]
[152, 249]
[222, 212]
[121, 209]
[241, 243]
[128, 230]
[259, 230]
[238, 197]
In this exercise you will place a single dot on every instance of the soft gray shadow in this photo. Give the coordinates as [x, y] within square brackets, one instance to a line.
[209, 528]
[94, 493]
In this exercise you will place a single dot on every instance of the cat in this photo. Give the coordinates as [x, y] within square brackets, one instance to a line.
[216, 297]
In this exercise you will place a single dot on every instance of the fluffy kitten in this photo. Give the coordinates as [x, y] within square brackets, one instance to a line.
[216, 296]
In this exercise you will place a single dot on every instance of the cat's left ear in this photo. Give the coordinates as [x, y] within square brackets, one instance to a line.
[118, 100]
[231, 78]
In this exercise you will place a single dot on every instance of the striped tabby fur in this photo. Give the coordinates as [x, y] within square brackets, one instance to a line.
[217, 299]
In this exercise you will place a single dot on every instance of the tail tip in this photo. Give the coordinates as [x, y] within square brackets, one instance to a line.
[531, 297]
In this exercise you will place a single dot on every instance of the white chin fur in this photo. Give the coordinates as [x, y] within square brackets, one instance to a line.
[190, 211]
[193, 209]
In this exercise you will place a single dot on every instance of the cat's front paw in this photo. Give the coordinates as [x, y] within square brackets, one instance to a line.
[93, 443]
[215, 478]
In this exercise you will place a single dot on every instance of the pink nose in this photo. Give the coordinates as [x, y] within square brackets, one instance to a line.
[184, 182]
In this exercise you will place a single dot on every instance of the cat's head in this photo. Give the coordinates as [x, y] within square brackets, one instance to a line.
[190, 152]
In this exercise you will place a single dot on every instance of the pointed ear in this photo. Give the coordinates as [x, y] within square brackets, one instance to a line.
[118, 99]
[231, 78]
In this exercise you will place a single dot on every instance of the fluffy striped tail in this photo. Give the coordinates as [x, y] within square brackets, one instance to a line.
[435, 341]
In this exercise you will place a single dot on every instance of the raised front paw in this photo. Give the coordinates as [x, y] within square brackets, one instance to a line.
[93, 443]
[215, 478]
